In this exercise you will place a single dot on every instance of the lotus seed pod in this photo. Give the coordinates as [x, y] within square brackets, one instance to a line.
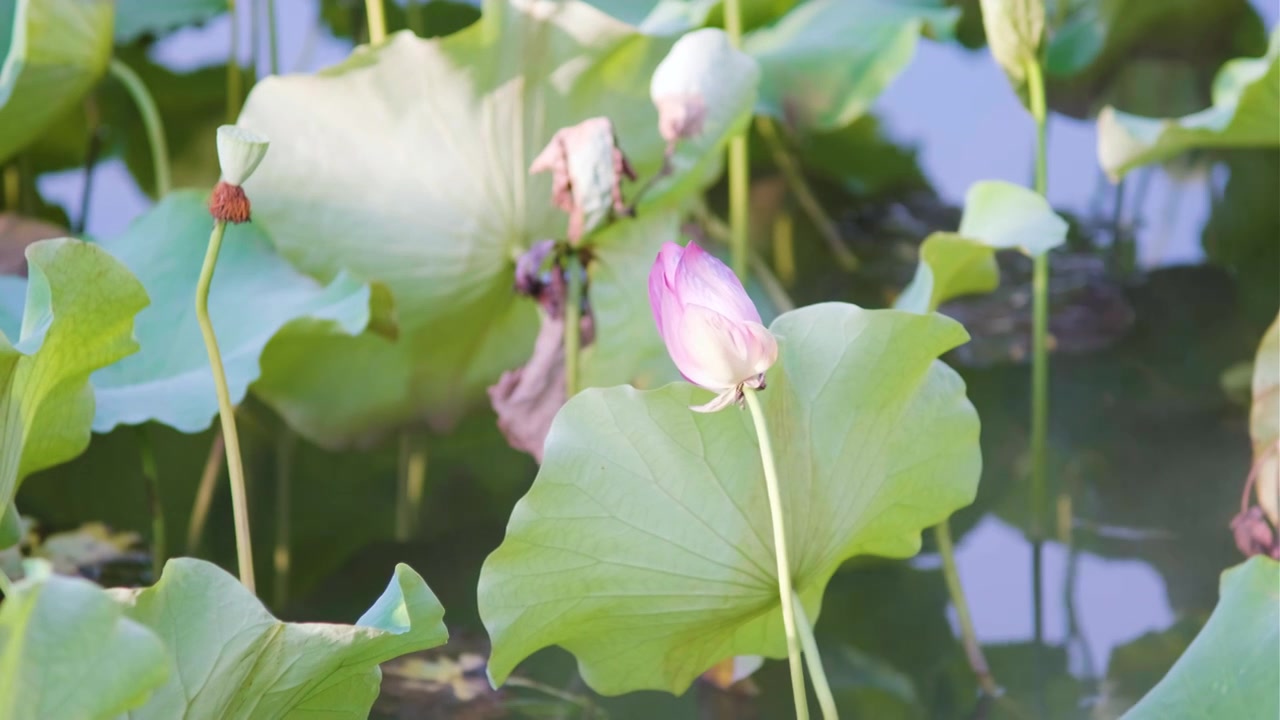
[239, 152]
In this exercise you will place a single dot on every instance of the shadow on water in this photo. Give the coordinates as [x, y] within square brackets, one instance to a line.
[1147, 449]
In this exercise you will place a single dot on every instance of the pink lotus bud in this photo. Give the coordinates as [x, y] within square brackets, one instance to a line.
[711, 328]
[587, 168]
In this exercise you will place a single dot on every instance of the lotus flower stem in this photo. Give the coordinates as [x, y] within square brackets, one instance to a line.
[808, 202]
[282, 559]
[786, 591]
[376, 20]
[1039, 375]
[412, 484]
[235, 88]
[150, 121]
[739, 170]
[151, 478]
[6, 585]
[227, 411]
[413, 15]
[572, 326]
[204, 493]
[972, 649]
[273, 60]
[813, 659]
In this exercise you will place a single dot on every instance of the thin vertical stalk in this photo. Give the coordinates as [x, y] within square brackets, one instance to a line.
[227, 411]
[235, 84]
[572, 325]
[376, 20]
[12, 186]
[786, 590]
[411, 484]
[204, 494]
[151, 478]
[784, 247]
[414, 16]
[282, 557]
[972, 649]
[1039, 380]
[799, 187]
[151, 122]
[6, 585]
[813, 659]
[739, 169]
[273, 53]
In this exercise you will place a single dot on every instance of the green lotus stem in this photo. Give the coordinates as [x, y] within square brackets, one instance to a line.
[376, 20]
[412, 483]
[204, 493]
[150, 121]
[152, 480]
[739, 169]
[799, 187]
[6, 585]
[235, 87]
[1039, 375]
[813, 659]
[572, 326]
[784, 247]
[416, 20]
[972, 649]
[227, 411]
[273, 61]
[282, 559]
[786, 591]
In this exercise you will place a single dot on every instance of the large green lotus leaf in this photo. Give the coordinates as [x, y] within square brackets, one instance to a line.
[950, 266]
[67, 651]
[659, 17]
[408, 164]
[1230, 669]
[254, 294]
[1245, 113]
[234, 660]
[135, 18]
[1004, 216]
[644, 546]
[54, 51]
[80, 304]
[825, 62]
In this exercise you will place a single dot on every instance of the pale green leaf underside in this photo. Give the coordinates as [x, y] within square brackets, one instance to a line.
[254, 294]
[234, 660]
[68, 651]
[78, 317]
[408, 164]
[1003, 216]
[53, 52]
[644, 546]
[825, 62]
[950, 266]
[1245, 113]
[1230, 669]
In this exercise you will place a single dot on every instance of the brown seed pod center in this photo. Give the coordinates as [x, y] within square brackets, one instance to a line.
[229, 203]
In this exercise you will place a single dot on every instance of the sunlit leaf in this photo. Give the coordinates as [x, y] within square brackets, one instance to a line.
[1230, 669]
[1245, 113]
[78, 317]
[950, 266]
[255, 293]
[135, 18]
[234, 660]
[644, 546]
[826, 61]
[1004, 215]
[408, 164]
[54, 51]
[68, 651]
[1264, 422]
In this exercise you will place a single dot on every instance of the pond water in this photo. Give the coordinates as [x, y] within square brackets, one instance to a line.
[1145, 445]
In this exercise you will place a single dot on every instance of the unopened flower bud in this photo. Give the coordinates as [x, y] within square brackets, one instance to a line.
[711, 328]
[587, 169]
[702, 83]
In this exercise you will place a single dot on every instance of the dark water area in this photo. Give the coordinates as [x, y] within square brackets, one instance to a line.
[1147, 453]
